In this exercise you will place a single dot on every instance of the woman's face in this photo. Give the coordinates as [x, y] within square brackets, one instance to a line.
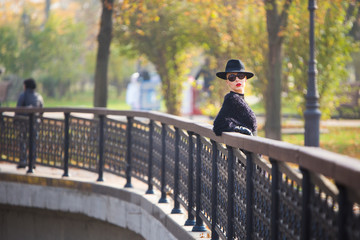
[238, 85]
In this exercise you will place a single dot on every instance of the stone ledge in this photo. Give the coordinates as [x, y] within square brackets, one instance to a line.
[128, 208]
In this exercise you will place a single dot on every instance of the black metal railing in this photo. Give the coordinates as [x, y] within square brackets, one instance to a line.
[240, 187]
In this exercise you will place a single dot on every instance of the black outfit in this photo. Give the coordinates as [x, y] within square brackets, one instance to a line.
[28, 98]
[234, 113]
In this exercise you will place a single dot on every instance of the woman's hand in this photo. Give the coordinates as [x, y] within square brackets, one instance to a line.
[243, 130]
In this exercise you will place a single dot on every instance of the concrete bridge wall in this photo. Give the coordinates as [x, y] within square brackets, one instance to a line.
[36, 224]
[33, 207]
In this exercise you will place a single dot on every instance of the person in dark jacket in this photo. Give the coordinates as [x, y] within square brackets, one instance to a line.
[235, 114]
[28, 98]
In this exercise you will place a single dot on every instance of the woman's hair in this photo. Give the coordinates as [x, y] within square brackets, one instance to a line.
[30, 83]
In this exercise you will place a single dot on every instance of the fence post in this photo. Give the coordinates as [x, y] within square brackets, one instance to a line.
[305, 214]
[101, 147]
[249, 195]
[230, 195]
[163, 198]
[344, 210]
[274, 199]
[31, 143]
[150, 163]
[176, 208]
[128, 152]
[66, 145]
[190, 221]
[214, 180]
[199, 225]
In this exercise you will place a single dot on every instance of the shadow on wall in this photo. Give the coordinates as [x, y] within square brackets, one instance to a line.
[38, 224]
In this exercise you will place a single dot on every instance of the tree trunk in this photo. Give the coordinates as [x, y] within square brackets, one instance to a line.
[167, 90]
[102, 58]
[356, 64]
[47, 9]
[273, 93]
[168, 85]
[355, 33]
[276, 23]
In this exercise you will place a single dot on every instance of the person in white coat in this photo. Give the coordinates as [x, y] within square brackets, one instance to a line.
[133, 92]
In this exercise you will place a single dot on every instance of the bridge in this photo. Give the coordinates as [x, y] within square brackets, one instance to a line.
[230, 187]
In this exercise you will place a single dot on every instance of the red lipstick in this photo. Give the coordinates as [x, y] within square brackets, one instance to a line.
[238, 85]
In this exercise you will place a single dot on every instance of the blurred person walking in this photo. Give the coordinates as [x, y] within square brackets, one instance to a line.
[133, 92]
[28, 98]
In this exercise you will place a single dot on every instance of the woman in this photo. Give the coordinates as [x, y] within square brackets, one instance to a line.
[235, 114]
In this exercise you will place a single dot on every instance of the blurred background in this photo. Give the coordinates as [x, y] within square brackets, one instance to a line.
[176, 47]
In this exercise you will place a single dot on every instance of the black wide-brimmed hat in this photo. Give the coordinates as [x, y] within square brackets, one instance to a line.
[234, 65]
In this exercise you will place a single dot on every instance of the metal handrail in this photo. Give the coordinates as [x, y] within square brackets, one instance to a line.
[243, 178]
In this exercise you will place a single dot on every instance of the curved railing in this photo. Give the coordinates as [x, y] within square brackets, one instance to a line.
[240, 187]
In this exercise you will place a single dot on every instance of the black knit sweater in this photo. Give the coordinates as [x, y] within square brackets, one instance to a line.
[234, 112]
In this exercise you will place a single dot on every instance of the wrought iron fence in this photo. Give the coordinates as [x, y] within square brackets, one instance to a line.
[239, 187]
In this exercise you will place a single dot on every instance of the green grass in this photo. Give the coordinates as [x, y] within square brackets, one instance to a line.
[115, 103]
[84, 99]
[342, 140]
[288, 108]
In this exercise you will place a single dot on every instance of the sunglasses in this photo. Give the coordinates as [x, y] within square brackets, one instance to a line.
[232, 77]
